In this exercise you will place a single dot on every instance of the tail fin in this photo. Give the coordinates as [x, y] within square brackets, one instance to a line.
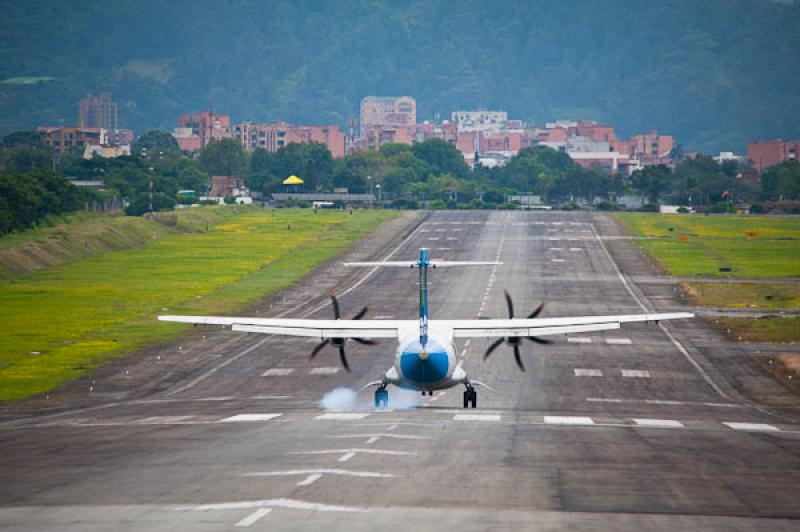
[422, 264]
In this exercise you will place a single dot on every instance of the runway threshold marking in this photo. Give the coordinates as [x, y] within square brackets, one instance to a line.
[476, 417]
[636, 373]
[324, 371]
[253, 518]
[578, 340]
[568, 420]
[659, 423]
[341, 416]
[753, 427]
[250, 417]
[619, 341]
[277, 372]
[582, 372]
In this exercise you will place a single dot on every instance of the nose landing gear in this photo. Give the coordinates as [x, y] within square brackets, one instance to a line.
[382, 397]
[470, 397]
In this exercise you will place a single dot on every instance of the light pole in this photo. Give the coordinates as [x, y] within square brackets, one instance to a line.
[151, 190]
[380, 198]
[369, 178]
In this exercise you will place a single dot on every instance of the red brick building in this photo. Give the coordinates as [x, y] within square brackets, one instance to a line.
[198, 129]
[763, 154]
[273, 137]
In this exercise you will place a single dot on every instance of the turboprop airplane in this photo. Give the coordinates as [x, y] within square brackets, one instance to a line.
[425, 359]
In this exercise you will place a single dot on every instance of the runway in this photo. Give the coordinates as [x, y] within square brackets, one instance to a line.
[651, 427]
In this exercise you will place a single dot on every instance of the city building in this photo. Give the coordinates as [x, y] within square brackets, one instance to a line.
[480, 120]
[98, 112]
[222, 185]
[196, 130]
[766, 153]
[272, 137]
[652, 148]
[387, 111]
[68, 139]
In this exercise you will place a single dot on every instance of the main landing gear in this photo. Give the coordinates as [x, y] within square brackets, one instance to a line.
[382, 397]
[470, 397]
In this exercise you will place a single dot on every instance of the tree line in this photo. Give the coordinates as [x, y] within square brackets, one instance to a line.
[432, 173]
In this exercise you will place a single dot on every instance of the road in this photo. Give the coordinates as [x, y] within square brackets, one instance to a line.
[651, 427]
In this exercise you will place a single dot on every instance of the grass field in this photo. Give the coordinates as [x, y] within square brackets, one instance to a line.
[757, 247]
[60, 322]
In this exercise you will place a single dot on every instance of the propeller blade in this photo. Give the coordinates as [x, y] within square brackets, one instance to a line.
[536, 312]
[492, 347]
[336, 313]
[518, 358]
[361, 313]
[343, 358]
[366, 341]
[539, 340]
[319, 348]
[509, 304]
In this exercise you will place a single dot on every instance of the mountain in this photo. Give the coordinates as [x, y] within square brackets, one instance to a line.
[715, 73]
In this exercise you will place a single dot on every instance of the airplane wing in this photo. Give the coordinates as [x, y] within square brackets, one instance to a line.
[547, 326]
[299, 327]
[432, 264]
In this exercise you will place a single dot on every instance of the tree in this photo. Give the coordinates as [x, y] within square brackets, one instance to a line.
[155, 140]
[223, 157]
[442, 157]
[782, 181]
[652, 181]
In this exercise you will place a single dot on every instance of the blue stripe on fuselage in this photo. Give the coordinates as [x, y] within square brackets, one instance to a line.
[433, 369]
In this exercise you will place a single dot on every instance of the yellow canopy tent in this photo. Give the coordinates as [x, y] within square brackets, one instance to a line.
[293, 180]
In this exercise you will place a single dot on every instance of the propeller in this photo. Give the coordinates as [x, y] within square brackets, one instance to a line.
[339, 342]
[514, 341]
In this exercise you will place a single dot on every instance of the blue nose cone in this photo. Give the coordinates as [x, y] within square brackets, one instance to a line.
[426, 365]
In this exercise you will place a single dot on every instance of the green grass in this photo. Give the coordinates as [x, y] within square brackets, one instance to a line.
[752, 246]
[86, 312]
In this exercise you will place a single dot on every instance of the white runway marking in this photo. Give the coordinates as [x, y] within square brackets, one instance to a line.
[557, 260]
[556, 249]
[346, 456]
[275, 503]
[659, 423]
[310, 479]
[355, 451]
[342, 416]
[372, 439]
[618, 341]
[253, 517]
[568, 420]
[382, 435]
[325, 471]
[324, 371]
[452, 238]
[576, 249]
[580, 372]
[476, 417]
[250, 417]
[661, 402]
[578, 340]
[636, 374]
[755, 427]
[161, 420]
[434, 238]
[277, 372]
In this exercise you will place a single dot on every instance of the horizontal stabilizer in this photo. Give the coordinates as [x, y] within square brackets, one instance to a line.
[414, 264]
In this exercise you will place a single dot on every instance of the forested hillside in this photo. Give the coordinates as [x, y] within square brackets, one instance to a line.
[714, 73]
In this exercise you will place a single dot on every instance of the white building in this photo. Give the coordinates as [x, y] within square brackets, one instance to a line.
[481, 120]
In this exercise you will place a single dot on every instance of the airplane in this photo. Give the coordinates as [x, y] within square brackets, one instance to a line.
[425, 359]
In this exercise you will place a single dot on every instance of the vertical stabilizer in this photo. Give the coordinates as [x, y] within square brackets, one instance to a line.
[423, 296]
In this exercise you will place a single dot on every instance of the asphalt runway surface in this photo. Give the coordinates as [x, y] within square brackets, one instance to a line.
[651, 427]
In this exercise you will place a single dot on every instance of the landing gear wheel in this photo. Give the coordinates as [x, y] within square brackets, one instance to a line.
[470, 398]
[381, 398]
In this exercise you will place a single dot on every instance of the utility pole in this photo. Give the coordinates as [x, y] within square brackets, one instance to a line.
[151, 195]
